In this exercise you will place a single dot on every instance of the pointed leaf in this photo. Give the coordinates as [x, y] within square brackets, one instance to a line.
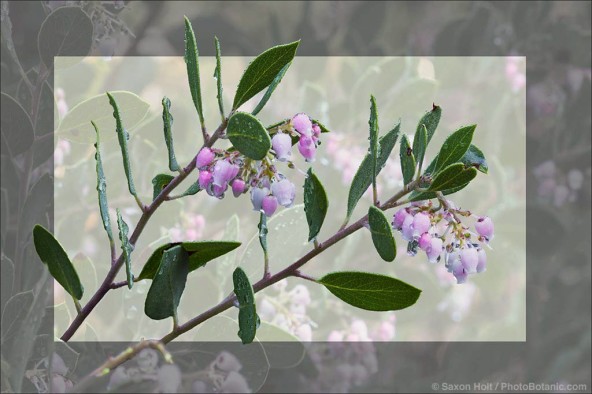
[407, 160]
[455, 147]
[363, 178]
[475, 158]
[371, 292]
[262, 71]
[453, 176]
[192, 61]
[200, 253]
[218, 76]
[382, 234]
[316, 204]
[60, 267]
[263, 230]
[122, 136]
[102, 188]
[127, 249]
[248, 135]
[168, 285]
[159, 182]
[374, 147]
[248, 321]
[167, 120]
[17, 128]
[421, 196]
[274, 84]
[420, 144]
[430, 120]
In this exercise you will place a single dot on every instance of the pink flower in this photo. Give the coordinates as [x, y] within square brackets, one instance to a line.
[269, 205]
[421, 224]
[425, 241]
[335, 336]
[217, 191]
[205, 178]
[484, 227]
[302, 124]
[316, 131]
[284, 191]
[307, 148]
[469, 259]
[482, 257]
[282, 145]
[399, 218]
[224, 171]
[238, 187]
[435, 249]
[407, 229]
[204, 158]
[257, 195]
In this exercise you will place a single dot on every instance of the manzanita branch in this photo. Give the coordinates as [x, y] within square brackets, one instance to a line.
[108, 282]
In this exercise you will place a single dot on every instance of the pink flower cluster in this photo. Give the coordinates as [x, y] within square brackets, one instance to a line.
[557, 186]
[219, 169]
[440, 232]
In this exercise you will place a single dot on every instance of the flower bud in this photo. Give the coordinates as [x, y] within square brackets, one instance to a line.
[435, 249]
[282, 145]
[399, 218]
[169, 378]
[257, 195]
[304, 332]
[205, 178]
[425, 241]
[217, 191]
[227, 362]
[224, 171]
[484, 227]
[316, 130]
[238, 187]
[302, 124]
[300, 294]
[269, 205]
[407, 229]
[421, 223]
[469, 259]
[482, 260]
[204, 158]
[284, 191]
[235, 383]
[307, 148]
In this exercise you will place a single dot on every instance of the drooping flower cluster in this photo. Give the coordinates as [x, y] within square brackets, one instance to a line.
[440, 232]
[219, 169]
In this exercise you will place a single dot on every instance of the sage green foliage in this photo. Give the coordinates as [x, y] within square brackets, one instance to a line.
[218, 76]
[192, 62]
[122, 136]
[420, 144]
[167, 120]
[374, 147]
[248, 135]
[316, 204]
[60, 267]
[127, 249]
[475, 158]
[274, 84]
[159, 182]
[382, 234]
[363, 178]
[262, 71]
[102, 187]
[455, 147]
[263, 230]
[453, 176]
[372, 292]
[407, 160]
[199, 254]
[430, 120]
[248, 321]
[168, 284]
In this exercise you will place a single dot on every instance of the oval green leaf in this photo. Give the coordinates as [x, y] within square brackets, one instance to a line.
[274, 84]
[60, 267]
[248, 321]
[316, 204]
[371, 292]
[455, 147]
[168, 284]
[475, 158]
[218, 76]
[248, 135]
[453, 176]
[102, 187]
[374, 147]
[192, 61]
[167, 120]
[126, 248]
[430, 120]
[262, 71]
[420, 144]
[407, 160]
[159, 182]
[382, 234]
[122, 136]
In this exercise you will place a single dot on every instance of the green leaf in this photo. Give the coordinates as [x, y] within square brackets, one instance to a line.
[420, 144]
[274, 84]
[363, 178]
[421, 196]
[159, 182]
[67, 31]
[382, 235]
[407, 160]
[192, 61]
[248, 135]
[102, 188]
[17, 128]
[374, 148]
[200, 253]
[168, 284]
[60, 267]
[123, 136]
[76, 124]
[430, 120]
[263, 230]
[475, 158]
[218, 76]
[248, 321]
[371, 292]
[455, 147]
[167, 120]
[453, 176]
[126, 247]
[316, 204]
[262, 71]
